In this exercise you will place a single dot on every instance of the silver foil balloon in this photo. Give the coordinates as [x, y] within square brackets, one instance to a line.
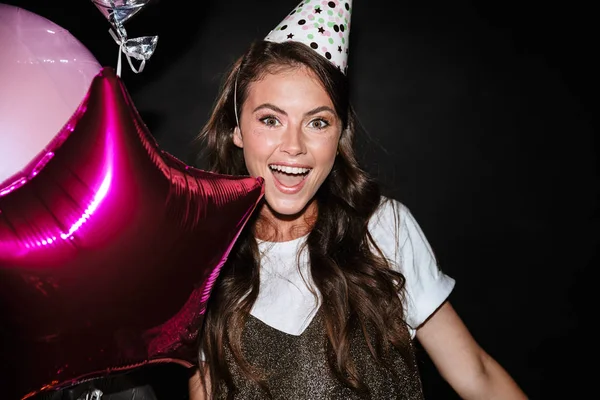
[118, 12]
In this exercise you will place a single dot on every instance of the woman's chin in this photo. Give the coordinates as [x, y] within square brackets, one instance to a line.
[288, 209]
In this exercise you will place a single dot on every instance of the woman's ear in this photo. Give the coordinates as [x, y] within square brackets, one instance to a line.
[237, 137]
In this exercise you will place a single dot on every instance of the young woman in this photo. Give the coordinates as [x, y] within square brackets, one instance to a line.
[325, 291]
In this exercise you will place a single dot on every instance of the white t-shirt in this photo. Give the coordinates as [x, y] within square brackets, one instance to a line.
[286, 303]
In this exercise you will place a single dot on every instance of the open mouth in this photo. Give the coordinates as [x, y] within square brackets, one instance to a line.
[289, 176]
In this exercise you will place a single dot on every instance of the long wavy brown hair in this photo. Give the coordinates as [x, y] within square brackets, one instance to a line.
[357, 285]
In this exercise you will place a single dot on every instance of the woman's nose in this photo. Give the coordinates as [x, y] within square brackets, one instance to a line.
[292, 141]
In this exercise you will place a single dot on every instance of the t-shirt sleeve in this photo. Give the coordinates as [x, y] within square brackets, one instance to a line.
[404, 244]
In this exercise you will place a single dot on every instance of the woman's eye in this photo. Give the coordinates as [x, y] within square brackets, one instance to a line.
[269, 121]
[319, 124]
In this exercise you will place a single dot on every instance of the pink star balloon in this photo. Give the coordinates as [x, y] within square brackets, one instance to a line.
[108, 249]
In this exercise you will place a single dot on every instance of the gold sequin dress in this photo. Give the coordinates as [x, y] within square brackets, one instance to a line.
[297, 367]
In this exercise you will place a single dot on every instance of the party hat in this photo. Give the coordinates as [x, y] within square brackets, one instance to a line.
[322, 25]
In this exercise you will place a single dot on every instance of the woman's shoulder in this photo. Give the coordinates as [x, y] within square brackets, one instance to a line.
[393, 222]
[385, 225]
[389, 215]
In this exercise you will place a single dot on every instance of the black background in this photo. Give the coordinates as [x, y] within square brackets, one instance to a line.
[479, 117]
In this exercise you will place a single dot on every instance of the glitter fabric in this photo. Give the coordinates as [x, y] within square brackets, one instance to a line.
[297, 367]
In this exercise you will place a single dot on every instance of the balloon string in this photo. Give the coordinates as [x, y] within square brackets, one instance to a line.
[119, 59]
[122, 49]
[141, 68]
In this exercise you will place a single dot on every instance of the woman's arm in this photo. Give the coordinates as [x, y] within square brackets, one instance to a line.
[195, 386]
[471, 372]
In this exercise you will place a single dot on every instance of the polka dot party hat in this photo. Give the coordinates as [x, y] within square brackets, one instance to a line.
[322, 25]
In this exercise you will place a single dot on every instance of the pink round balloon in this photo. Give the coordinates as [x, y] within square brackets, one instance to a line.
[45, 73]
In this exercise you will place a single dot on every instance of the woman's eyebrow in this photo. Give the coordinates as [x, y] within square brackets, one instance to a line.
[280, 111]
[271, 107]
[319, 109]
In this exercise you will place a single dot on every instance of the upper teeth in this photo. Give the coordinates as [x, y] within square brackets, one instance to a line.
[289, 170]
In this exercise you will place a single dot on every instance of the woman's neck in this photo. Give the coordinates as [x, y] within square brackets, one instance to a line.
[273, 227]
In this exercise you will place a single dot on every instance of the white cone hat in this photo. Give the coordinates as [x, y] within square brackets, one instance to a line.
[322, 25]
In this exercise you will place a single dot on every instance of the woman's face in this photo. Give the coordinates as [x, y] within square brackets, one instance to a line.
[289, 136]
